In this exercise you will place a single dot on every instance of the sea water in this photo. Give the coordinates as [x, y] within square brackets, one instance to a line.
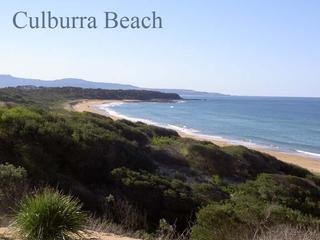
[279, 123]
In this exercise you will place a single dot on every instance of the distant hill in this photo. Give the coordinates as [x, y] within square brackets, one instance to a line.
[11, 81]
[191, 93]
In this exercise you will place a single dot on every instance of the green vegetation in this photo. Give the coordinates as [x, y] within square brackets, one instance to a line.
[234, 221]
[134, 174]
[174, 199]
[235, 163]
[289, 191]
[258, 205]
[49, 215]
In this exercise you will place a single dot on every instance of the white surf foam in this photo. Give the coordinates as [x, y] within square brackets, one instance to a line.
[108, 109]
[184, 129]
[193, 132]
[317, 155]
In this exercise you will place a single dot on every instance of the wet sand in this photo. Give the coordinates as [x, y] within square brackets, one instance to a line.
[312, 164]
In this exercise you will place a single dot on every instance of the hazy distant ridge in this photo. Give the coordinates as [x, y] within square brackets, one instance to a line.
[11, 81]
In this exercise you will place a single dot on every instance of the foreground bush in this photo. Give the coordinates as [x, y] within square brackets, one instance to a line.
[231, 221]
[257, 206]
[49, 215]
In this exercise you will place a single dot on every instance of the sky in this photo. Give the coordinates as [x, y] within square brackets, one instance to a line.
[240, 47]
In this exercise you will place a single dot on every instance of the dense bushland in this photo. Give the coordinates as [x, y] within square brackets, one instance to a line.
[120, 168]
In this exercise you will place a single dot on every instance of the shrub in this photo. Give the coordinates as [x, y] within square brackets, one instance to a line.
[13, 183]
[290, 191]
[244, 219]
[160, 141]
[216, 222]
[173, 200]
[49, 215]
[257, 206]
[18, 120]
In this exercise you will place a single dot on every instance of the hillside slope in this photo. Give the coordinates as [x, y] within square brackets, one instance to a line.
[144, 177]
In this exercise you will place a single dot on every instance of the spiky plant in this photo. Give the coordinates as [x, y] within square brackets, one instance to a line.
[49, 215]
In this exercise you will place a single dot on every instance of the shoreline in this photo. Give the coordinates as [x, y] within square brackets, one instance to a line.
[307, 162]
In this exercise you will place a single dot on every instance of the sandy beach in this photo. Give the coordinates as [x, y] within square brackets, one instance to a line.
[89, 106]
[309, 163]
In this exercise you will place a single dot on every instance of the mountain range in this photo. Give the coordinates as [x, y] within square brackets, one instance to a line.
[11, 81]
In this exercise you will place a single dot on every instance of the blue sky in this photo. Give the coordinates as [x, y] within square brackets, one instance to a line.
[269, 47]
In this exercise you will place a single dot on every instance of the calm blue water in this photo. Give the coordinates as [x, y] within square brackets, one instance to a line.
[287, 124]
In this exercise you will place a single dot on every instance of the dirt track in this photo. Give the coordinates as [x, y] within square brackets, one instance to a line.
[6, 234]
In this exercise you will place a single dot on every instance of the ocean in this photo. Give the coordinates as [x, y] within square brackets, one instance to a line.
[284, 124]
